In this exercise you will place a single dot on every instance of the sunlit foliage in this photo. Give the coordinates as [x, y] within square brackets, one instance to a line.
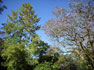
[23, 46]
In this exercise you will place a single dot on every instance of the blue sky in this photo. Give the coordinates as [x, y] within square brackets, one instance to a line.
[43, 8]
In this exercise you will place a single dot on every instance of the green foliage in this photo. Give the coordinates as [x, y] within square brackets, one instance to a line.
[22, 24]
[15, 56]
[44, 66]
[23, 45]
[1, 59]
[65, 62]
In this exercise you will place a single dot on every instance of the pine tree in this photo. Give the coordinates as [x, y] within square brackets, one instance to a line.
[21, 47]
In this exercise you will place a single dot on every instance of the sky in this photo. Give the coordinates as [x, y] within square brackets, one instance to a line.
[43, 8]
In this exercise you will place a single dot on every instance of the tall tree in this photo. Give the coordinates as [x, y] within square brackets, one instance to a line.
[74, 28]
[23, 43]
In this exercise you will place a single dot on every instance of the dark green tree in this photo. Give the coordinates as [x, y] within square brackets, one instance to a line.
[44, 66]
[2, 7]
[1, 59]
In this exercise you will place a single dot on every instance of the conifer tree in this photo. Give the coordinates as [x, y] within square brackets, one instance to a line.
[21, 48]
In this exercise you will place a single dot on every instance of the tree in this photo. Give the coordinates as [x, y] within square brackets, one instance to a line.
[44, 66]
[2, 7]
[21, 48]
[65, 62]
[74, 28]
[1, 59]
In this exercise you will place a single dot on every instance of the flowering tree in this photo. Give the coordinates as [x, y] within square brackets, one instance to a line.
[74, 28]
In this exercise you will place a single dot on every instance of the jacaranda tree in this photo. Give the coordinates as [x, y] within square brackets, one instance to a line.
[74, 28]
